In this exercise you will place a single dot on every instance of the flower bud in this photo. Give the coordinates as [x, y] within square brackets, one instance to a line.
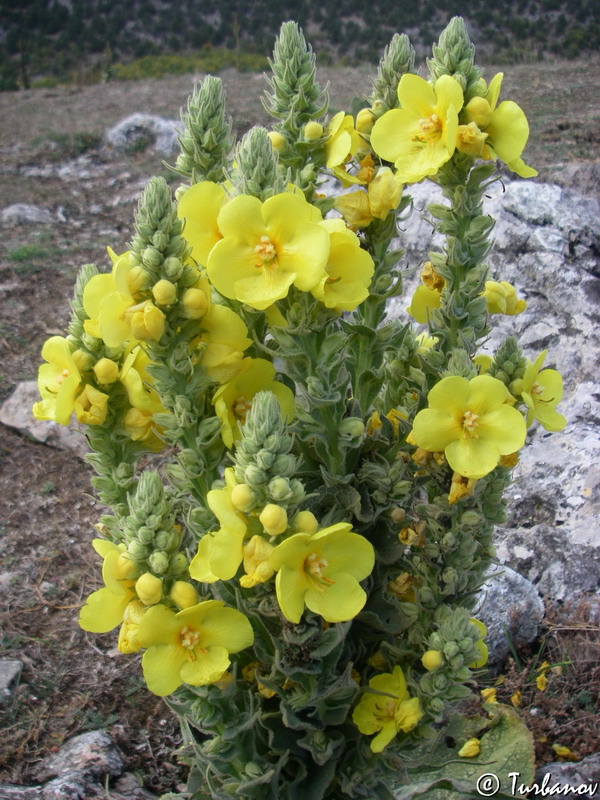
[106, 371]
[305, 522]
[352, 426]
[432, 660]
[160, 240]
[145, 535]
[470, 139]
[83, 361]
[148, 322]
[178, 564]
[273, 519]
[277, 141]
[313, 131]
[194, 304]
[159, 562]
[173, 268]
[149, 589]
[279, 489]
[137, 550]
[451, 649]
[126, 567]
[255, 476]
[365, 119]
[183, 594]
[479, 111]
[152, 257]
[243, 497]
[165, 292]
[137, 279]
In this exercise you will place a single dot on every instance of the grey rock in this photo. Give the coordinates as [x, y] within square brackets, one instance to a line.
[16, 413]
[74, 785]
[10, 672]
[127, 787]
[511, 609]
[547, 243]
[92, 754]
[576, 774]
[140, 130]
[25, 214]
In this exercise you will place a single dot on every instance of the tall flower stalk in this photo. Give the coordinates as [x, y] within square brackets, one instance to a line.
[300, 566]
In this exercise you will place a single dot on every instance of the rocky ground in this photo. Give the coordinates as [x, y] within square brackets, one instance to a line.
[76, 195]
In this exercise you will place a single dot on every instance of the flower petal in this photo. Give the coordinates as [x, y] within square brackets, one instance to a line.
[291, 586]
[206, 667]
[472, 458]
[508, 131]
[416, 94]
[162, 667]
[339, 601]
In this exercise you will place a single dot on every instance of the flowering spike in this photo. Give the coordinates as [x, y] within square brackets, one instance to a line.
[257, 172]
[398, 60]
[206, 139]
[454, 55]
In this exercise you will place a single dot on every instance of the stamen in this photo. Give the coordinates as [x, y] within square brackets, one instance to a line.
[240, 408]
[470, 424]
[189, 638]
[266, 252]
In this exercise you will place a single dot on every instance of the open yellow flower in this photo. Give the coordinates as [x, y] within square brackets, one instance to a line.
[200, 206]
[144, 400]
[105, 608]
[343, 141]
[58, 382]
[226, 337]
[421, 135]
[349, 269]
[322, 572]
[108, 301]
[191, 646]
[471, 422]
[389, 709]
[266, 248]
[424, 300]
[541, 392]
[221, 552]
[505, 129]
[233, 400]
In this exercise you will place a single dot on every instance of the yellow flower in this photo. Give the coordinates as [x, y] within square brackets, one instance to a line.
[233, 400]
[424, 300]
[256, 562]
[385, 193]
[191, 646]
[128, 633]
[541, 680]
[365, 119]
[342, 140]
[471, 423]
[389, 709]
[58, 382]
[109, 300]
[266, 248]
[104, 609]
[462, 487]
[274, 519]
[220, 553]
[515, 699]
[541, 392]
[147, 321]
[421, 135]
[144, 400]
[480, 645]
[200, 206]
[225, 337]
[349, 269]
[470, 749]
[355, 208]
[565, 753]
[91, 406]
[322, 572]
[501, 298]
[505, 129]
[489, 695]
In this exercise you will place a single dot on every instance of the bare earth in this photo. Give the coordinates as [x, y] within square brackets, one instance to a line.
[72, 681]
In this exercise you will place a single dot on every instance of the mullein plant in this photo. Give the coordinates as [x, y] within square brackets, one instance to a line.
[301, 572]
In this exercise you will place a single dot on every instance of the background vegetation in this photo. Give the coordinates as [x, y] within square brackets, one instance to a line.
[43, 42]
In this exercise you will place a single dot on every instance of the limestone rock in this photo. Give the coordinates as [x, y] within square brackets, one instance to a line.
[26, 214]
[13, 792]
[576, 774]
[510, 607]
[547, 243]
[92, 753]
[139, 131]
[16, 413]
[10, 672]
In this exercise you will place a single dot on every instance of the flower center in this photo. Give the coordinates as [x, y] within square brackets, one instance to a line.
[266, 253]
[188, 637]
[470, 424]
[64, 374]
[386, 708]
[314, 566]
[431, 127]
[240, 408]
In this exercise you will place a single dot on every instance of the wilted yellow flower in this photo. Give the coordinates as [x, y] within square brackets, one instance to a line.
[489, 695]
[322, 572]
[515, 699]
[471, 422]
[470, 748]
[191, 646]
[388, 709]
[256, 562]
[233, 400]
[266, 248]
[461, 487]
[501, 298]
[91, 406]
[421, 135]
[565, 753]
[58, 382]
